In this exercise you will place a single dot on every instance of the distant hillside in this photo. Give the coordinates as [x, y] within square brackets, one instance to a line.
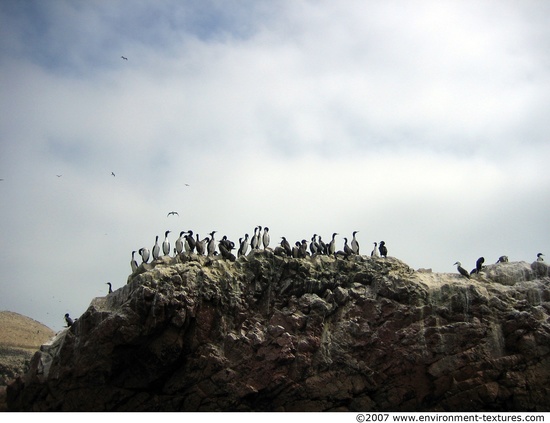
[20, 338]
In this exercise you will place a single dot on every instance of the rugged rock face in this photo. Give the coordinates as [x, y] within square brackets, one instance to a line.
[315, 334]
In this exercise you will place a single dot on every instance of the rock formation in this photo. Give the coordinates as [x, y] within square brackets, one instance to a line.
[268, 333]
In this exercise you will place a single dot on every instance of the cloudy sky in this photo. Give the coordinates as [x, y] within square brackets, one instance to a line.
[424, 124]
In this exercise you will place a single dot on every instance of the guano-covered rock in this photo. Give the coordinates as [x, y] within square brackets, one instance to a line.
[268, 333]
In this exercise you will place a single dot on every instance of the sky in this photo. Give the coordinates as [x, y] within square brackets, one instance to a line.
[424, 124]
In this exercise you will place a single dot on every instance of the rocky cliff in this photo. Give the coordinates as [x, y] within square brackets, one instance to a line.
[321, 333]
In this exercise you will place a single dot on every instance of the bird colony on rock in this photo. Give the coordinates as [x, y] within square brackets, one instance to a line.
[479, 265]
[189, 243]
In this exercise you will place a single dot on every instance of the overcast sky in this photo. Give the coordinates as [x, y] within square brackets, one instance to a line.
[424, 124]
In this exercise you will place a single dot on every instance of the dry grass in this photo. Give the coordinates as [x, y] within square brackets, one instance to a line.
[22, 332]
[20, 338]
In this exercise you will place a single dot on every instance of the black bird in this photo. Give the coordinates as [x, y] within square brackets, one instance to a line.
[123, 58]
[461, 270]
[479, 264]
[113, 173]
[502, 259]
[68, 320]
[225, 246]
[322, 246]
[190, 242]
[110, 287]
[172, 213]
[382, 248]
[539, 257]
[303, 249]
[347, 249]
[286, 245]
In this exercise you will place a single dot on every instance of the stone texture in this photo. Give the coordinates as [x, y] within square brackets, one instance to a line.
[268, 333]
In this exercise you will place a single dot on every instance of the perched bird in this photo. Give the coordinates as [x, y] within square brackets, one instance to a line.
[166, 244]
[347, 249]
[332, 245]
[286, 245]
[189, 242]
[461, 270]
[255, 242]
[479, 264]
[355, 244]
[211, 244]
[225, 246]
[374, 253]
[303, 249]
[133, 263]
[110, 287]
[382, 248]
[201, 245]
[539, 257]
[179, 243]
[175, 213]
[68, 320]
[296, 250]
[502, 259]
[144, 253]
[313, 245]
[156, 249]
[123, 58]
[322, 246]
[265, 238]
[243, 246]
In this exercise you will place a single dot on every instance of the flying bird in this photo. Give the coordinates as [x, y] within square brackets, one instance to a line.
[59, 176]
[173, 212]
[113, 173]
[124, 58]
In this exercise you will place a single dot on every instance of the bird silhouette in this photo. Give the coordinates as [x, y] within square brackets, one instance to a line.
[124, 58]
[113, 173]
[172, 212]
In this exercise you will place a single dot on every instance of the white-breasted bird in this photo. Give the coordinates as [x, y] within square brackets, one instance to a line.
[179, 243]
[265, 238]
[461, 270]
[166, 244]
[211, 247]
[144, 253]
[332, 245]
